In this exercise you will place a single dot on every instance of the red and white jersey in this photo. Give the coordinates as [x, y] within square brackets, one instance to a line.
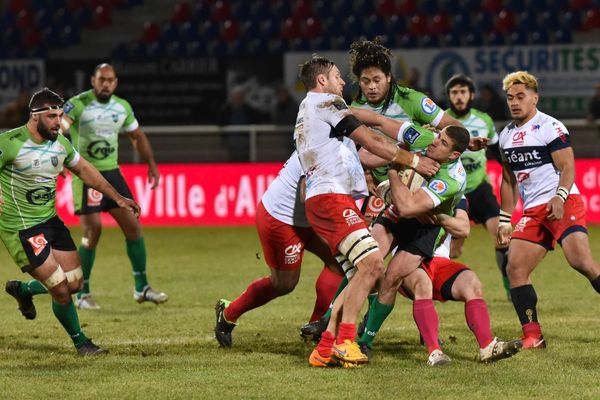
[281, 198]
[527, 149]
[329, 160]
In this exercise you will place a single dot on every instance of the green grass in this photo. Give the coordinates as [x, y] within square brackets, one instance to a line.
[168, 351]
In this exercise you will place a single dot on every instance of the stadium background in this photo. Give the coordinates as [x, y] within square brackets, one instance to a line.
[179, 62]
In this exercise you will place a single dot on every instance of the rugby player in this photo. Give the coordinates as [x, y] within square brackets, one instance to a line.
[95, 118]
[32, 156]
[538, 160]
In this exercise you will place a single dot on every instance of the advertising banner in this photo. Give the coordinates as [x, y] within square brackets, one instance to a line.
[20, 75]
[227, 194]
[566, 73]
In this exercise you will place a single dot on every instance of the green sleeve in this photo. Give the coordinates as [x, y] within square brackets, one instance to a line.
[73, 108]
[419, 107]
[130, 117]
[417, 137]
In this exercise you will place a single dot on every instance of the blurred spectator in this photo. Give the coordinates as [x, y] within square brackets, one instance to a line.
[594, 110]
[285, 110]
[490, 102]
[412, 81]
[237, 112]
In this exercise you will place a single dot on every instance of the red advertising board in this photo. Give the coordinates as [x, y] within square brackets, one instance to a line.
[227, 194]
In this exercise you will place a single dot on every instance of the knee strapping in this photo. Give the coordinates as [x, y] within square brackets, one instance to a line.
[346, 265]
[57, 277]
[357, 245]
[74, 275]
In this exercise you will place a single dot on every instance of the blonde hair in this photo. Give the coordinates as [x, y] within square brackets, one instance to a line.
[522, 77]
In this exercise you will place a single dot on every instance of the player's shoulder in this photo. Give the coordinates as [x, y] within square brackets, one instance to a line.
[18, 134]
[482, 115]
[548, 121]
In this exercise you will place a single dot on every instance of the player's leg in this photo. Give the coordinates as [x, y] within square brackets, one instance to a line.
[491, 225]
[136, 251]
[91, 229]
[523, 258]
[329, 279]
[576, 248]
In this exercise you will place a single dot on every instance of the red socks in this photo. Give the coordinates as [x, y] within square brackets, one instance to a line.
[258, 293]
[325, 344]
[532, 329]
[427, 321]
[326, 286]
[478, 320]
[346, 331]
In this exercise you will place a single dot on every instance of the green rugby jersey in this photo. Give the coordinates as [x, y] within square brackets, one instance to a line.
[406, 105]
[447, 187]
[96, 127]
[479, 124]
[28, 172]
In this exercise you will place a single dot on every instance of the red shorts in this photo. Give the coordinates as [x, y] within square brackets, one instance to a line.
[282, 244]
[372, 207]
[535, 227]
[333, 217]
[442, 272]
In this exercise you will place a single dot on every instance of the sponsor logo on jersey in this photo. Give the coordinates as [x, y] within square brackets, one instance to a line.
[351, 217]
[38, 243]
[54, 160]
[527, 157]
[36, 163]
[94, 197]
[339, 104]
[438, 186]
[518, 137]
[40, 196]
[100, 149]
[115, 118]
[374, 206]
[475, 133]
[561, 134]
[520, 226]
[67, 107]
[428, 106]
[411, 135]
[536, 127]
[470, 164]
[292, 253]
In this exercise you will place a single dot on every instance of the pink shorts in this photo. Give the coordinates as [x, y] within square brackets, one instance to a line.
[282, 244]
[535, 227]
[333, 217]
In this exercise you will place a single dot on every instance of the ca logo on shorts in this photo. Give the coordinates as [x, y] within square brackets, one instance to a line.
[520, 226]
[292, 253]
[351, 217]
[94, 197]
[38, 243]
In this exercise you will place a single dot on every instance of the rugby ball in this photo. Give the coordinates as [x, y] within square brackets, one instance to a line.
[411, 178]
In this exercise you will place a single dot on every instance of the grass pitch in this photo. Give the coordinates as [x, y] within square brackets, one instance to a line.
[168, 351]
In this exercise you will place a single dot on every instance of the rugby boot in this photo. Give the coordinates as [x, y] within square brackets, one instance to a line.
[223, 327]
[349, 352]
[313, 330]
[366, 349]
[531, 342]
[25, 301]
[437, 359]
[317, 360]
[88, 348]
[498, 349]
[86, 302]
[151, 295]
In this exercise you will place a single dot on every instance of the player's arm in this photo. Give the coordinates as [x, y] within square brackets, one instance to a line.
[390, 127]
[458, 226]
[448, 120]
[141, 143]
[408, 205]
[65, 122]
[564, 162]
[94, 179]
[383, 148]
[509, 195]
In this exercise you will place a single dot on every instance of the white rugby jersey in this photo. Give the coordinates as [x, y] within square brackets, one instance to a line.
[330, 162]
[281, 198]
[443, 249]
[527, 149]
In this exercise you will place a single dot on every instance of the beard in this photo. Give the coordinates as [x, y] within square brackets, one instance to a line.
[102, 97]
[45, 132]
[462, 112]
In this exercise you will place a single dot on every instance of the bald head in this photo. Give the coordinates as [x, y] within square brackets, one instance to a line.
[104, 82]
